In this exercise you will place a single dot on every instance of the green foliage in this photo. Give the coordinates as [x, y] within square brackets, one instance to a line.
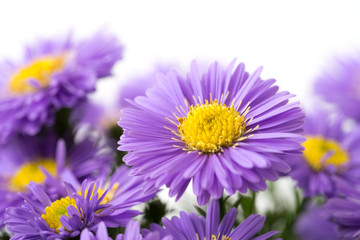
[154, 211]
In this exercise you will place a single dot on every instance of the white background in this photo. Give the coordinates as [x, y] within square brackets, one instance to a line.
[293, 40]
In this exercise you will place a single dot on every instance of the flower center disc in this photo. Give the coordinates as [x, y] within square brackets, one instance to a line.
[320, 152]
[211, 126]
[31, 171]
[36, 74]
[56, 210]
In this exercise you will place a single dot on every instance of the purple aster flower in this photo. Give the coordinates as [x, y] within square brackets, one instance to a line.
[108, 202]
[191, 226]
[223, 129]
[330, 156]
[312, 225]
[44, 160]
[345, 213]
[54, 73]
[132, 232]
[340, 86]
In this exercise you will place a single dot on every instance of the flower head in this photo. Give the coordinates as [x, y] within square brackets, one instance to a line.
[340, 86]
[54, 73]
[45, 160]
[330, 156]
[191, 226]
[223, 129]
[100, 201]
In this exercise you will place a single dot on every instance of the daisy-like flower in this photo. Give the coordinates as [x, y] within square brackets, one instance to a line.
[312, 225]
[330, 156]
[340, 86]
[191, 226]
[44, 160]
[223, 129]
[108, 202]
[54, 73]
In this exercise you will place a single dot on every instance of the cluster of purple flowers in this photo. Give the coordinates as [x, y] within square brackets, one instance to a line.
[223, 130]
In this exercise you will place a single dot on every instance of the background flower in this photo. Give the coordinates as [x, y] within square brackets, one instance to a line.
[331, 155]
[54, 73]
[339, 85]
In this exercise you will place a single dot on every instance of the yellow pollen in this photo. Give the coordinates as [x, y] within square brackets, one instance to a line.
[320, 152]
[31, 171]
[213, 237]
[109, 195]
[39, 70]
[56, 210]
[211, 126]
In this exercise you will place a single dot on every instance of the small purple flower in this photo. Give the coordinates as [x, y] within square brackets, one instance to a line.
[109, 202]
[191, 226]
[340, 85]
[123, 192]
[312, 225]
[222, 129]
[45, 160]
[54, 73]
[330, 156]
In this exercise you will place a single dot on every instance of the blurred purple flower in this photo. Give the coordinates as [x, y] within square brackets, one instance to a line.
[331, 156]
[341, 86]
[312, 225]
[54, 73]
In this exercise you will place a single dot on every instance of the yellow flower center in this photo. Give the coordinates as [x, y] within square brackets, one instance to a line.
[213, 237]
[31, 171]
[39, 70]
[109, 195]
[320, 152]
[211, 126]
[56, 210]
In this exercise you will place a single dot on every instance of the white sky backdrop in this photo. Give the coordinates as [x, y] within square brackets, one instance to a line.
[293, 40]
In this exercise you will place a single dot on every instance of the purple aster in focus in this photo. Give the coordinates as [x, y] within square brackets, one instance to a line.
[102, 201]
[340, 86]
[312, 225]
[53, 74]
[191, 226]
[331, 156]
[44, 160]
[222, 129]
